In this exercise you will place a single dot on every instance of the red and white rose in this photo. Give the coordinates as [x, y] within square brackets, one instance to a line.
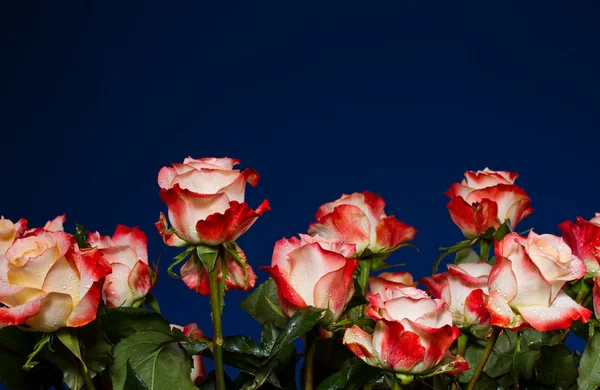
[47, 282]
[313, 271]
[526, 283]
[239, 275]
[486, 199]
[413, 332]
[360, 219]
[205, 198]
[465, 289]
[131, 278]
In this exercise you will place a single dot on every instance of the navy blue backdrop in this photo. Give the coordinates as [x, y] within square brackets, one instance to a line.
[320, 98]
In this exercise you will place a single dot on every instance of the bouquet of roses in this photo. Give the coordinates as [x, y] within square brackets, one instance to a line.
[76, 309]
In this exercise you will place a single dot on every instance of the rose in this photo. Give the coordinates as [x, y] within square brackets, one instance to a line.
[239, 275]
[583, 237]
[192, 331]
[9, 231]
[464, 289]
[47, 283]
[526, 283]
[359, 219]
[205, 199]
[313, 271]
[131, 278]
[413, 332]
[486, 199]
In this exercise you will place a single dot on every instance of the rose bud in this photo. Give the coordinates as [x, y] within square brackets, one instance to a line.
[47, 283]
[239, 275]
[526, 283]
[412, 335]
[205, 199]
[359, 219]
[465, 289]
[486, 199]
[312, 271]
[131, 278]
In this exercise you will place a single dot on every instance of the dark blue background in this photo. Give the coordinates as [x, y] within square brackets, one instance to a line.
[321, 98]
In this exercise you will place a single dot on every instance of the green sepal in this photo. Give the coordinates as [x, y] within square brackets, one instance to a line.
[80, 236]
[207, 254]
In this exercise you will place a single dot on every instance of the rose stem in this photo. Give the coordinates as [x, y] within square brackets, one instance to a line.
[484, 250]
[460, 350]
[364, 270]
[310, 339]
[215, 305]
[486, 354]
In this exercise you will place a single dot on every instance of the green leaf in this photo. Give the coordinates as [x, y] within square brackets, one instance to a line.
[557, 367]
[484, 382]
[354, 375]
[503, 230]
[208, 254]
[69, 338]
[473, 356]
[98, 349]
[589, 366]
[80, 237]
[254, 304]
[156, 357]
[301, 322]
[122, 322]
[268, 338]
[133, 380]
[152, 303]
[64, 359]
[466, 255]
[453, 249]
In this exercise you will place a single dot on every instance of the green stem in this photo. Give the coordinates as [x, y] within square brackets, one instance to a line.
[396, 385]
[486, 354]
[364, 269]
[484, 250]
[462, 344]
[310, 339]
[89, 383]
[215, 306]
[514, 371]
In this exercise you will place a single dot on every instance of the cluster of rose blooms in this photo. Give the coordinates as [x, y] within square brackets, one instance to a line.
[48, 281]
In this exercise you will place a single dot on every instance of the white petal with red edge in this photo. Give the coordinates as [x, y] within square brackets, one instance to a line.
[559, 315]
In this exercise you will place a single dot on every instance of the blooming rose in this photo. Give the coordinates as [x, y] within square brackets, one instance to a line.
[205, 199]
[359, 219]
[47, 283]
[192, 331]
[464, 288]
[583, 237]
[487, 199]
[131, 277]
[413, 332]
[526, 283]
[9, 231]
[312, 271]
[239, 275]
